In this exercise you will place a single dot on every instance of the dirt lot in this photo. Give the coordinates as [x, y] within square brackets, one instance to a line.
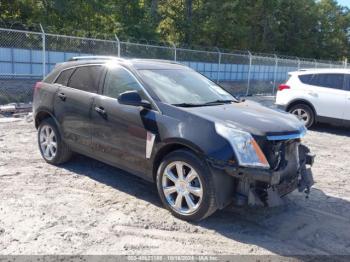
[86, 207]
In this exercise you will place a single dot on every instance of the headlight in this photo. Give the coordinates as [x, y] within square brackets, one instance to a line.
[247, 151]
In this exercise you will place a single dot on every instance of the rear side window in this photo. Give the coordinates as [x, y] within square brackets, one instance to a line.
[86, 78]
[335, 81]
[117, 81]
[306, 79]
[64, 76]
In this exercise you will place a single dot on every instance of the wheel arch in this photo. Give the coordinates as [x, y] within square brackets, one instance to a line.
[301, 101]
[42, 115]
[168, 148]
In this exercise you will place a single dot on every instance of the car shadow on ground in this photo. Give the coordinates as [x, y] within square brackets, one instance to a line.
[113, 177]
[334, 130]
[318, 225]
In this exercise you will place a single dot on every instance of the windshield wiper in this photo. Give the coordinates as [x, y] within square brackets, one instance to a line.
[219, 102]
[216, 102]
[187, 105]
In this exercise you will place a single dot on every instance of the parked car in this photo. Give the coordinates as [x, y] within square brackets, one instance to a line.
[169, 124]
[319, 95]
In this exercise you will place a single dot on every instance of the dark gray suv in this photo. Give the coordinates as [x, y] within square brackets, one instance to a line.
[169, 124]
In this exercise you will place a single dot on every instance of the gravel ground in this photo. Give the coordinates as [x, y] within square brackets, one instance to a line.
[86, 207]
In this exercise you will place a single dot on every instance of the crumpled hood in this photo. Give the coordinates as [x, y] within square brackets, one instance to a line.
[251, 117]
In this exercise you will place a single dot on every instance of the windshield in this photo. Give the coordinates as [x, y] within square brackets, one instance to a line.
[183, 86]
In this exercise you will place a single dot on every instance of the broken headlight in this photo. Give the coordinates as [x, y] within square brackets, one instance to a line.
[246, 149]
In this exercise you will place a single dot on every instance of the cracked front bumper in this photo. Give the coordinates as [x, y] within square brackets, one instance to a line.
[266, 187]
[270, 176]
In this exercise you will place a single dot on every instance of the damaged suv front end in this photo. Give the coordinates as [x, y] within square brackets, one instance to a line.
[268, 168]
[240, 150]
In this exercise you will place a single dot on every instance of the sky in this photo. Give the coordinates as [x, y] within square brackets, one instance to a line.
[344, 2]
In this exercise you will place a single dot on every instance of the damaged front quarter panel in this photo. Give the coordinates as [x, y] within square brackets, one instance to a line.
[266, 187]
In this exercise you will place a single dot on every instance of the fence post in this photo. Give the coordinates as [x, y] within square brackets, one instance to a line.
[219, 65]
[12, 63]
[298, 63]
[118, 45]
[315, 63]
[345, 63]
[175, 53]
[249, 71]
[275, 74]
[44, 49]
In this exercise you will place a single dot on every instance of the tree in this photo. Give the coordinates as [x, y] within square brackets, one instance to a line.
[305, 28]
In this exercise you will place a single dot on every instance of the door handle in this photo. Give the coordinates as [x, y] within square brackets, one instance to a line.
[62, 96]
[100, 110]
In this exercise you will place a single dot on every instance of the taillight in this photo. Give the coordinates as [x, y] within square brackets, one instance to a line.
[283, 86]
[38, 85]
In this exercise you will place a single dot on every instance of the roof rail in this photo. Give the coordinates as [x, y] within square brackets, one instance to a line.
[78, 58]
[157, 60]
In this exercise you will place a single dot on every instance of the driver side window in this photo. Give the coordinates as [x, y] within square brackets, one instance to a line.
[117, 81]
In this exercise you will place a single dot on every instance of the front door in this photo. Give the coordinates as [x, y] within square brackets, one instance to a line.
[119, 132]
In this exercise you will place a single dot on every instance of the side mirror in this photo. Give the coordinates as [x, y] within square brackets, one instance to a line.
[132, 98]
[240, 98]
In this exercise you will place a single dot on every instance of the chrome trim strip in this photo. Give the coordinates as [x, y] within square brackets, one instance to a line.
[287, 137]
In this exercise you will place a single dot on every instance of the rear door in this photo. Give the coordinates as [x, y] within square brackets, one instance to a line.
[120, 131]
[73, 101]
[326, 93]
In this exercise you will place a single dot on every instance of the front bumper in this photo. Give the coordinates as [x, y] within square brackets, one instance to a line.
[266, 187]
[270, 176]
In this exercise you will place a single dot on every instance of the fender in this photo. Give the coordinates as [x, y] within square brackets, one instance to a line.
[166, 146]
[302, 100]
[45, 110]
[184, 142]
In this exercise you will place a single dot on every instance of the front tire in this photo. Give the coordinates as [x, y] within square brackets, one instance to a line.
[52, 148]
[304, 113]
[185, 186]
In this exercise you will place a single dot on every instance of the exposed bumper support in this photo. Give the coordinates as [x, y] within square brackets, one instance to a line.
[306, 177]
[295, 174]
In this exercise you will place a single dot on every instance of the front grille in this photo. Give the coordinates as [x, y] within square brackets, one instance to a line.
[275, 152]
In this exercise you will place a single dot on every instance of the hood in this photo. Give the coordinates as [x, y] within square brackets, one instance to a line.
[251, 117]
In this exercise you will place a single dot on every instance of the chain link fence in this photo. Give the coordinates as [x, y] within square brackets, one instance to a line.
[26, 57]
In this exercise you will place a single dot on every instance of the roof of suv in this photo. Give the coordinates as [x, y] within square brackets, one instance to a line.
[322, 70]
[127, 62]
[136, 63]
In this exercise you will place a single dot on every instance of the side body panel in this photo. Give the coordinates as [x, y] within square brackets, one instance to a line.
[119, 135]
[328, 102]
[73, 115]
[43, 98]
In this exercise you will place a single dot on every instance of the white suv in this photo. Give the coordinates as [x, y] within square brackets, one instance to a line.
[317, 95]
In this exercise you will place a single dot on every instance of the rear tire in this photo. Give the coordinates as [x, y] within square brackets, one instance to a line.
[52, 148]
[191, 195]
[304, 113]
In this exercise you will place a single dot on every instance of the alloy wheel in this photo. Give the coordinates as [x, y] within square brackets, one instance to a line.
[302, 115]
[182, 187]
[48, 142]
